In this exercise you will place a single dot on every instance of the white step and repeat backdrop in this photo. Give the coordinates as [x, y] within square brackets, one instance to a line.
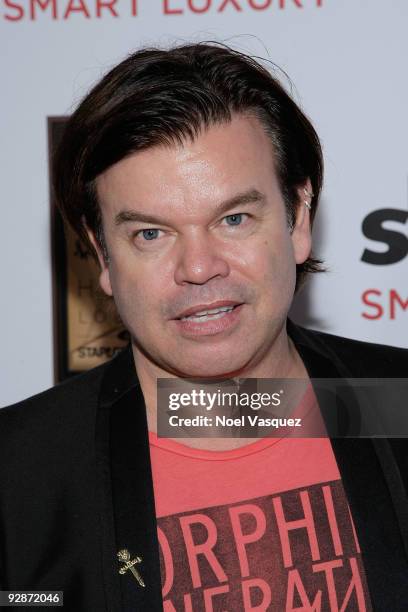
[348, 62]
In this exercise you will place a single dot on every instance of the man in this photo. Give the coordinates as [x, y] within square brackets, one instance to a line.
[195, 179]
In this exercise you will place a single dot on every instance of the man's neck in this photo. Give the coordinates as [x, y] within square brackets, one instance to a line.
[284, 363]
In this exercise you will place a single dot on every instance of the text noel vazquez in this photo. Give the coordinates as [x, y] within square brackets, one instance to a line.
[242, 421]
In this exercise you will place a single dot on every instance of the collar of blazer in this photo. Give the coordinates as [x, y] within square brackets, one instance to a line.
[370, 473]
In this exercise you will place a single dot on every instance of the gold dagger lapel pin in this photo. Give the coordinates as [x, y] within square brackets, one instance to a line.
[129, 564]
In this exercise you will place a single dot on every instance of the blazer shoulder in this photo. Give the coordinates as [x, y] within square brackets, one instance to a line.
[363, 359]
[68, 400]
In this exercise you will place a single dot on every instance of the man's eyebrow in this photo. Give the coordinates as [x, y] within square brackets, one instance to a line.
[131, 216]
[252, 196]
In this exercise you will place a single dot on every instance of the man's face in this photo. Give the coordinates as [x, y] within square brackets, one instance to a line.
[202, 262]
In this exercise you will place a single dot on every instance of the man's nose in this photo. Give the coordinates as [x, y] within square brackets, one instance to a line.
[200, 259]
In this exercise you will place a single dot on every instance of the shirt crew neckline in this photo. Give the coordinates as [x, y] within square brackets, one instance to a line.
[211, 455]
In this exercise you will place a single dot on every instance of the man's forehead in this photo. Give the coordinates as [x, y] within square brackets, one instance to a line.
[244, 131]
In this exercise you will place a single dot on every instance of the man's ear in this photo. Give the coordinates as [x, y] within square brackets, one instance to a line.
[104, 276]
[302, 232]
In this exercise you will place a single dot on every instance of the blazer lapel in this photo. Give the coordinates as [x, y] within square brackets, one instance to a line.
[133, 501]
[372, 481]
[129, 519]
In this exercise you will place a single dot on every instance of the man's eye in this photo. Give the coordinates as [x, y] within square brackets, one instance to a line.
[235, 219]
[149, 234]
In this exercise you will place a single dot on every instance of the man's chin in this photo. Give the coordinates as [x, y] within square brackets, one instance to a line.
[198, 363]
[212, 369]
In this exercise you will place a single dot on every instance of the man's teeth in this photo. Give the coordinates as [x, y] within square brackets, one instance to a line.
[208, 315]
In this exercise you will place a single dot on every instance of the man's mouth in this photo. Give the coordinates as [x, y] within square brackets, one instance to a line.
[209, 319]
[208, 315]
[208, 312]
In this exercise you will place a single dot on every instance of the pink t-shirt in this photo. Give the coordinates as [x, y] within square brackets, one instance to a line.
[265, 527]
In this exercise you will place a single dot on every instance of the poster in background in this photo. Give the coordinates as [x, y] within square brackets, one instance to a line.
[87, 327]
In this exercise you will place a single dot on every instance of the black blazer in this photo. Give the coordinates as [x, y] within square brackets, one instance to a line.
[76, 485]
